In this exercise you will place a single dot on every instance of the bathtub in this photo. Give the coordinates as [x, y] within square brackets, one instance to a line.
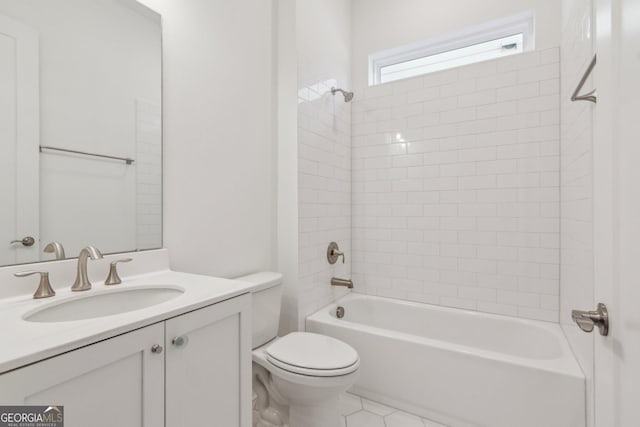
[458, 367]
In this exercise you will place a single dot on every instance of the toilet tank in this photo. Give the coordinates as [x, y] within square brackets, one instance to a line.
[267, 297]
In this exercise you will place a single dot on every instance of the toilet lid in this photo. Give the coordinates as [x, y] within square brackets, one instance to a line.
[312, 352]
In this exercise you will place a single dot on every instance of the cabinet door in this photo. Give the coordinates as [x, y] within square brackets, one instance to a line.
[116, 382]
[208, 366]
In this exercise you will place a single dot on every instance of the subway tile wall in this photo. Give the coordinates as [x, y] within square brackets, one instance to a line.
[324, 186]
[148, 175]
[455, 187]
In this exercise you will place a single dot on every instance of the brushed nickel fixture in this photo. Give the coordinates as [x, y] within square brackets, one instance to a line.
[156, 348]
[333, 253]
[114, 278]
[85, 153]
[341, 282]
[340, 312]
[590, 96]
[82, 282]
[348, 96]
[587, 320]
[26, 241]
[55, 248]
[44, 287]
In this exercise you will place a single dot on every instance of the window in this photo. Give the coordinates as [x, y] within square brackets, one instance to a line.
[488, 41]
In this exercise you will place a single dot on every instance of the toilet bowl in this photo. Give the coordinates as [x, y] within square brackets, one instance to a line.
[309, 371]
[299, 377]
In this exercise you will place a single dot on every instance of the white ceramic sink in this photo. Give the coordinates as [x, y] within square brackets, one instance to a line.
[104, 304]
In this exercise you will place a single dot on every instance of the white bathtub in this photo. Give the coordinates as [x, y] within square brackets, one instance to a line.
[458, 367]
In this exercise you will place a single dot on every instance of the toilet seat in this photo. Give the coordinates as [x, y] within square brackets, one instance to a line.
[312, 354]
[313, 372]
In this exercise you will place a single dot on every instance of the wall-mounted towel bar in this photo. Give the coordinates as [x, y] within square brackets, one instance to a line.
[84, 153]
[591, 96]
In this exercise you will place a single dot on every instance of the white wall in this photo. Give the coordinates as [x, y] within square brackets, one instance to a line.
[577, 268]
[323, 34]
[384, 24]
[456, 187]
[219, 173]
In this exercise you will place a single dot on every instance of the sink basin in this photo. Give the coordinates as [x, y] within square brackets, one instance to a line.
[104, 304]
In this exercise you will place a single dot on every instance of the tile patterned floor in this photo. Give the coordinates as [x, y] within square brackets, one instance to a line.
[360, 412]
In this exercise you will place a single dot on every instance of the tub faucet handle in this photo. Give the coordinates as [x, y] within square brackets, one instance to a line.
[333, 253]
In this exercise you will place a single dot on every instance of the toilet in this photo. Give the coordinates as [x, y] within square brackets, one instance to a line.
[297, 378]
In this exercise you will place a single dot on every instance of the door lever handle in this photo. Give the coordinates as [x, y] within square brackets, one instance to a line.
[587, 320]
[26, 241]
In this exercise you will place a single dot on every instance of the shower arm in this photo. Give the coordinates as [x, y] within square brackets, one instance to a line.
[348, 96]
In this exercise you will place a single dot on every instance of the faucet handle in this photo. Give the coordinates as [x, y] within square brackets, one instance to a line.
[44, 288]
[333, 253]
[113, 278]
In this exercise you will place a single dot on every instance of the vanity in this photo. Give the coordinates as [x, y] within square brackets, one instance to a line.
[183, 360]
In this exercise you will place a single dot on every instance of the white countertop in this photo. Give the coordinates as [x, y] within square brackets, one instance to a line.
[26, 342]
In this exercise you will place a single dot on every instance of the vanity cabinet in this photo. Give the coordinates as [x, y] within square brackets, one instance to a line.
[208, 357]
[116, 382]
[190, 370]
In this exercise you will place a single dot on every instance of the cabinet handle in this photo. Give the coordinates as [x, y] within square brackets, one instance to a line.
[156, 349]
[180, 341]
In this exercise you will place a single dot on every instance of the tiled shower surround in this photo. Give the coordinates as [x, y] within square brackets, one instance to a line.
[455, 187]
[324, 190]
[324, 150]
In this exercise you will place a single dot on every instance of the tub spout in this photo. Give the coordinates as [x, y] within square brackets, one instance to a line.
[341, 282]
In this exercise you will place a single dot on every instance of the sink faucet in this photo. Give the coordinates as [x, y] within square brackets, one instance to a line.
[55, 248]
[82, 282]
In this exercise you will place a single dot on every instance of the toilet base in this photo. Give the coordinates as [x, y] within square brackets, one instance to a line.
[323, 414]
[269, 408]
[288, 399]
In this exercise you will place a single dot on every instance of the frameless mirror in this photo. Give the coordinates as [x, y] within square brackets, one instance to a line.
[80, 128]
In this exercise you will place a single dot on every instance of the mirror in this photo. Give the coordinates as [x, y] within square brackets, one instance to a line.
[80, 128]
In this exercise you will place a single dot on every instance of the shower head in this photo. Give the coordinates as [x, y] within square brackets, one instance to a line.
[348, 96]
